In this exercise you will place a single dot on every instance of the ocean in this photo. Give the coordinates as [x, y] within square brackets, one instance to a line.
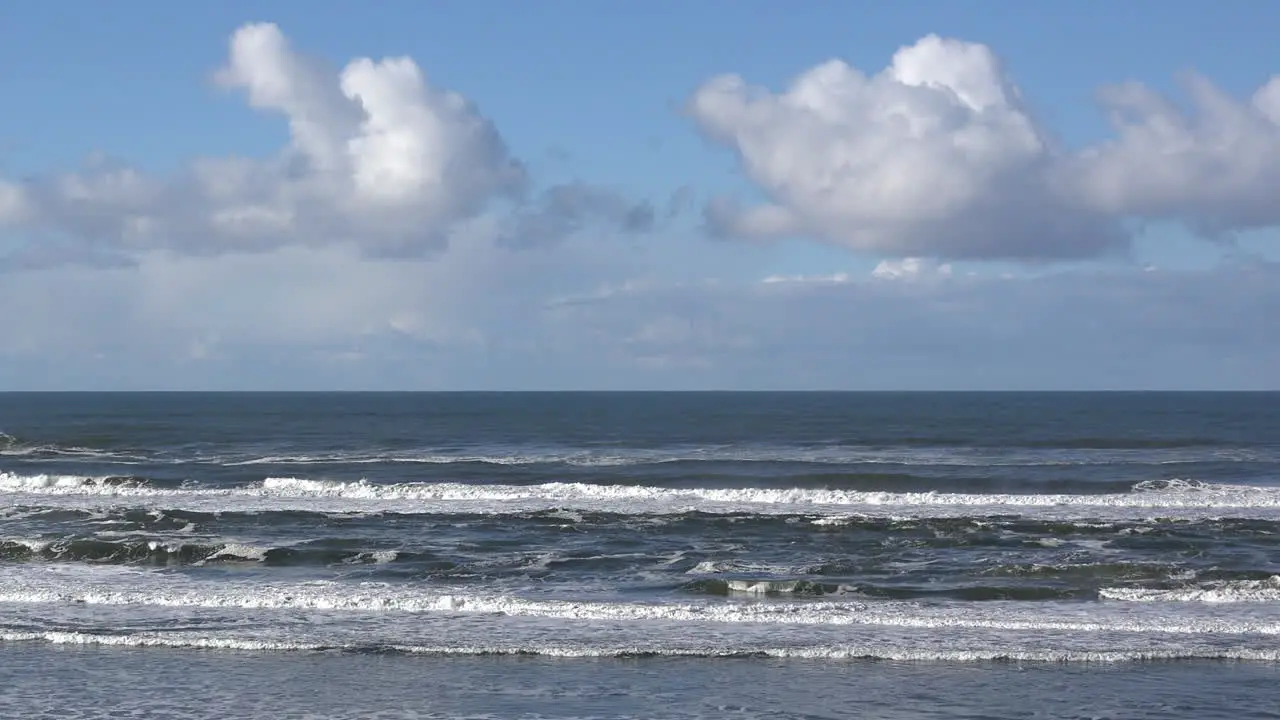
[640, 555]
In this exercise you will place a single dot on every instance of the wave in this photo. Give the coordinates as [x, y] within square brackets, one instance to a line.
[1237, 591]
[10, 482]
[817, 588]
[1126, 443]
[11, 446]
[1172, 494]
[315, 495]
[1028, 455]
[997, 530]
[140, 589]
[1084, 442]
[141, 551]
[792, 588]
[1150, 493]
[773, 477]
[820, 652]
[944, 452]
[93, 550]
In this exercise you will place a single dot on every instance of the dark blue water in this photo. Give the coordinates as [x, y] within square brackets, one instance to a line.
[774, 545]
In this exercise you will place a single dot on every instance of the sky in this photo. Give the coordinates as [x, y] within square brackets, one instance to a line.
[639, 195]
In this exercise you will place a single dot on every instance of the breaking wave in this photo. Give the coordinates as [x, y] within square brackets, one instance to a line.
[825, 652]
[290, 493]
[1235, 591]
[143, 589]
[143, 551]
[10, 482]
[815, 588]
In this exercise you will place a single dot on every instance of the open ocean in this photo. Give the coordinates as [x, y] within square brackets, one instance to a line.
[640, 555]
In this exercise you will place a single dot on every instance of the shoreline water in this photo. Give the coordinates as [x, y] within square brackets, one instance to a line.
[193, 685]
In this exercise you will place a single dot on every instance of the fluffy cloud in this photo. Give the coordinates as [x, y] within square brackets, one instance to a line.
[285, 271]
[936, 156]
[1215, 167]
[933, 156]
[378, 157]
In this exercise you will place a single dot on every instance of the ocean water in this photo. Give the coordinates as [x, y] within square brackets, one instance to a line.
[1001, 555]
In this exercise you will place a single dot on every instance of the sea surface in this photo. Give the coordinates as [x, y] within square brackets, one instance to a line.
[639, 555]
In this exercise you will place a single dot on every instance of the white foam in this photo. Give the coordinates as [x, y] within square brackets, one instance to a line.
[290, 493]
[715, 567]
[823, 652]
[9, 447]
[1239, 591]
[774, 587]
[31, 544]
[1178, 496]
[228, 550]
[144, 640]
[237, 551]
[45, 483]
[98, 585]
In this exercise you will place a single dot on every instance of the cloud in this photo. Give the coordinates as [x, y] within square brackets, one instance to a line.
[937, 156]
[840, 277]
[295, 316]
[579, 315]
[378, 158]
[563, 210]
[933, 156]
[1214, 167]
[910, 269]
[1127, 328]
[13, 203]
[286, 272]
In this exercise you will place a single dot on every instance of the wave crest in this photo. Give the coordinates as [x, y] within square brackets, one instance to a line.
[142, 551]
[1234, 591]
[318, 495]
[821, 652]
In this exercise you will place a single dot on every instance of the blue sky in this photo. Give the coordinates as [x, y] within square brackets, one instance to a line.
[608, 209]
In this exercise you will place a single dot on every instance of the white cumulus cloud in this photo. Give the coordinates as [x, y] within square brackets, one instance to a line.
[933, 156]
[1215, 167]
[378, 158]
[937, 156]
[284, 271]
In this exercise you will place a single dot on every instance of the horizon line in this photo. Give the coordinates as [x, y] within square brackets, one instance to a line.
[635, 391]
